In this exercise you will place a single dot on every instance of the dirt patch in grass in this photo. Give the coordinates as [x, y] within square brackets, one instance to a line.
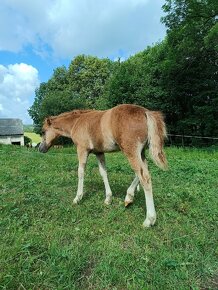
[211, 284]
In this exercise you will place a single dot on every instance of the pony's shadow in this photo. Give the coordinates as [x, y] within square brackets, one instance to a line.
[118, 191]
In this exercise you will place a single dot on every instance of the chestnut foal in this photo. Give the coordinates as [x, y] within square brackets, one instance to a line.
[125, 127]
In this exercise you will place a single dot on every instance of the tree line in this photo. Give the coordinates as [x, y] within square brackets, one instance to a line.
[178, 75]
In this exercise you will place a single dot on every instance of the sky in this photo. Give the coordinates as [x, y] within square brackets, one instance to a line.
[37, 36]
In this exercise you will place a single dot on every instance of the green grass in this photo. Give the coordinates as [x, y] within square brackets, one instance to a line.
[46, 243]
[28, 128]
[33, 136]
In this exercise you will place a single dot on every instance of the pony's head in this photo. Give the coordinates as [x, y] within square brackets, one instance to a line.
[49, 134]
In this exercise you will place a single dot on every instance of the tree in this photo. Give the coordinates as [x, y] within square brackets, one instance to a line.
[35, 110]
[80, 86]
[87, 76]
[138, 80]
[190, 73]
[53, 98]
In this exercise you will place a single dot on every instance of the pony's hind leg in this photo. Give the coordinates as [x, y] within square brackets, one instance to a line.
[135, 184]
[131, 191]
[103, 172]
[141, 169]
[82, 156]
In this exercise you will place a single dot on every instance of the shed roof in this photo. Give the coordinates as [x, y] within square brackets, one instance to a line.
[11, 127]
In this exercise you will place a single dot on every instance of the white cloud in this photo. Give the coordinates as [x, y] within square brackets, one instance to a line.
[17, 86]
[71, 27]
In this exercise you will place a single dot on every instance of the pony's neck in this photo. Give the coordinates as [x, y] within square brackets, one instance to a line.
[64, 125]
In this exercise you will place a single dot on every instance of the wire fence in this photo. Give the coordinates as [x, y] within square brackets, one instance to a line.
[190, 140]
[173, 140]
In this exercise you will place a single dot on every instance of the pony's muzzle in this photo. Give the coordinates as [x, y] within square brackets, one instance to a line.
[43, 147]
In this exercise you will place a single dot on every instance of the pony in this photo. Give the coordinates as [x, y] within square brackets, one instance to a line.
[125, 127]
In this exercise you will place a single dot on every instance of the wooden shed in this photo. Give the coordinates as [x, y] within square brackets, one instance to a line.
[11, 132]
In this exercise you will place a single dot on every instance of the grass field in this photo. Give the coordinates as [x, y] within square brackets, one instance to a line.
[33, 136]
[46, 243]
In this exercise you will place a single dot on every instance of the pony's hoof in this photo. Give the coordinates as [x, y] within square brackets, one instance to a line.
[75, 201]
[127, 203]
[108, 201]
[149, 222]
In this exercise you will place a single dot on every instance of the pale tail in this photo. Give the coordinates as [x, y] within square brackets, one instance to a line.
[156, 136]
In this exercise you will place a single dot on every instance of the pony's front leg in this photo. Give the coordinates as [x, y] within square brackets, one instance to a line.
[82, 156]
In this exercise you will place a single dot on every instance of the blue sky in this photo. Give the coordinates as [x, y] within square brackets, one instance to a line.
[39, 35]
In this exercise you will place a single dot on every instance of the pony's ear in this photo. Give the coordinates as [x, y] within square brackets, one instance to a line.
[48, 121]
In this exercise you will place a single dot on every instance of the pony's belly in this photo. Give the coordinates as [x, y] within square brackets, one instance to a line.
[108, 145]
[111, 147]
